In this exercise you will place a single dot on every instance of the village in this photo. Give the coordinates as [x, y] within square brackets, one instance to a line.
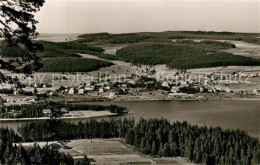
[146, 86]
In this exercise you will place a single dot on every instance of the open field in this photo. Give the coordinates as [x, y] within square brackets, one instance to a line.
[111, 151]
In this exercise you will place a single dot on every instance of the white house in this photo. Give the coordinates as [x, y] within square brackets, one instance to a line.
[81, 91]
[32, 100]
[253, 75]
[175, 89]
[256, 92]
[35, 85]
[46, 111]
[243, 75]
[9, 100]
[101, 90]
[64, 110]
[112, 95]
[71, 91]
[89, 87]
[165, 84]
[131, 82]
[51, 93]
[206, 82]
[227, 90]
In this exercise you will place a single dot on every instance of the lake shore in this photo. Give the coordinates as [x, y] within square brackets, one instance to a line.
[86, 115]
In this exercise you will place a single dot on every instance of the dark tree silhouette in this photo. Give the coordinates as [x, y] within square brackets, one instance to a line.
[18, 28]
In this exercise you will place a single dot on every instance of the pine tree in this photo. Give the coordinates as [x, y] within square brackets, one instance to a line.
[147, 147]
[166, 150]
[18, 27]
[142, 146]
[154, 150]
[129, 138]
[160, 153]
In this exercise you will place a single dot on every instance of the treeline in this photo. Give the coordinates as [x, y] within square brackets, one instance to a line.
[208, 44]
[13, 154]
[181, 56]
[199, 144]
[245, 37]
[113, 38]
[7, 91]
[73, 64]
[52, 130]
[157, 138]
[66, 49]
[53, 49]
[36, 109]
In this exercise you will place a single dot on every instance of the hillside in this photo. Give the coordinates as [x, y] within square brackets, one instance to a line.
[182, 55]
[74, 64]
[175, 49]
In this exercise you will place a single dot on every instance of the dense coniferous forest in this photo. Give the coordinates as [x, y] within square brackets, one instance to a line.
[157, 138]
[182, 56]
[36, 110]
[16, 154]
[113, 38]
[163, 36]
[53, 49]
[74, 64]
[208, 44]
[149, 48]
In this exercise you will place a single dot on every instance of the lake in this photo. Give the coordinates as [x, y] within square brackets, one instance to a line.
[228, 114]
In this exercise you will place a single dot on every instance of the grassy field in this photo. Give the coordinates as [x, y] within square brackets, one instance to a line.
[111, 151]
[74, 64]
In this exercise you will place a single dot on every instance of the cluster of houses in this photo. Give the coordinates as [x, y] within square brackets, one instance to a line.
[39, 85]
[91, 87]
[26, 99]
[47, 112]
[210, 85]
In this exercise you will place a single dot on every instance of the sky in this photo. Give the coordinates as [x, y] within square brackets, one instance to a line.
[125, 16]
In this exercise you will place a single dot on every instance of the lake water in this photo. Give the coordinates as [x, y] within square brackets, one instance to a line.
[228, 114]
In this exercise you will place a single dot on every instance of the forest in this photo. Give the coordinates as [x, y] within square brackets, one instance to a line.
[74, 64]
[36, 109]
[149, 48]
[182, 55]
[107, 38]
[13, 154]
[53, 49]
[155, 137]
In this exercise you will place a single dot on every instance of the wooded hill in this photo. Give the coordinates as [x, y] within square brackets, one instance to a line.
[158, 138]
[183, 55]
[150, 48]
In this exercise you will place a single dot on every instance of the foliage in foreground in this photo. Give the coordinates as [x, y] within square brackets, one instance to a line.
[73, 64]
[157, 138]
[12, 154]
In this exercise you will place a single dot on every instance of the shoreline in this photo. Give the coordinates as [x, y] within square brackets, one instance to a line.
[62, 118]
